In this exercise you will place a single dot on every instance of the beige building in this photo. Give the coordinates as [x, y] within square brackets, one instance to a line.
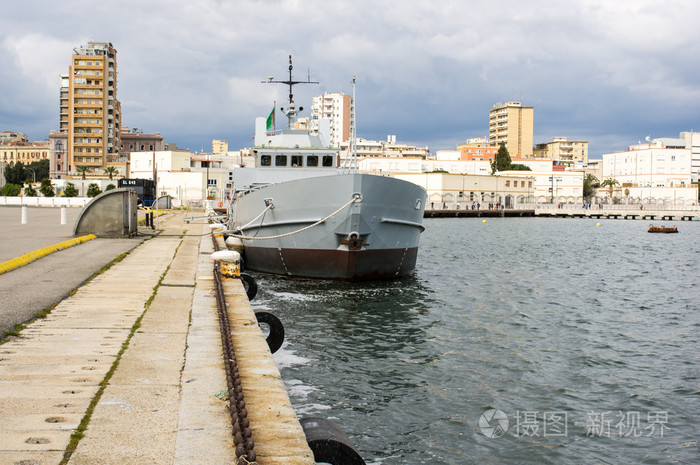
[25, 152]
[511, 123]
[563, 152]
[337, 108]
[11, 136]
[58, 165]
[90, 111]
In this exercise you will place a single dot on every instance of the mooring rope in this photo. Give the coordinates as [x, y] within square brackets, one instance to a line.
[355, 198]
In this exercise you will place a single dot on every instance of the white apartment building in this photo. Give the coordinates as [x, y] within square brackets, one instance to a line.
[658, 172]
[183, 175]
[387, 148]
[451, 191]
[392, 165]
[338, 109]
[396, 165]
[656, 164]
[692, 142]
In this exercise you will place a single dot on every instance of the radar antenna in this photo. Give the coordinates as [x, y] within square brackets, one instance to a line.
[291, 111]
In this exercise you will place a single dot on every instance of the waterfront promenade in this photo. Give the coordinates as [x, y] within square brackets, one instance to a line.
[128, 368]
[574, 211]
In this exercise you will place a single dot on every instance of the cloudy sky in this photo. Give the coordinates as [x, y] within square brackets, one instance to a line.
[609, 72]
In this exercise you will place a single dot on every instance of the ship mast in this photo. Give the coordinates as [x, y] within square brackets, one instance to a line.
[291, 111]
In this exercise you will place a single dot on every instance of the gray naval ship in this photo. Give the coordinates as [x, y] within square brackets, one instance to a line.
[301, 212]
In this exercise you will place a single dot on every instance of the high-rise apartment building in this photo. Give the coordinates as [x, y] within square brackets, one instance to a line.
[336, 107]
[90, 111]
[511, 124]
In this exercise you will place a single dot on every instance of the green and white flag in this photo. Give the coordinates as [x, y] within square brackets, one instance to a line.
[271, 121]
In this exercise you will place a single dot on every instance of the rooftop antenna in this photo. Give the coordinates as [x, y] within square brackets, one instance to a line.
[291, 111]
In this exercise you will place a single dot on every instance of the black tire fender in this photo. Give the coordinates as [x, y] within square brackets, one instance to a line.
[276, 337]
[250, 286]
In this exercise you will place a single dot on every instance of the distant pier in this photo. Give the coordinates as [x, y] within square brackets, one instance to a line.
[549, 211]
[476, 213]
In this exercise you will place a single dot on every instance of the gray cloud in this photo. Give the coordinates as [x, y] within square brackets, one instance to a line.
[607, 72]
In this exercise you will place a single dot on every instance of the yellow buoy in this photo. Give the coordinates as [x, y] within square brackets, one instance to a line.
[483, 221]
[597, 224]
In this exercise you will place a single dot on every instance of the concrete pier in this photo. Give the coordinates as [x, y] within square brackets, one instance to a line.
[127, 370]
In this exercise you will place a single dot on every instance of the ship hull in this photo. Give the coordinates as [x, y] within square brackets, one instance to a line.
[373, 238]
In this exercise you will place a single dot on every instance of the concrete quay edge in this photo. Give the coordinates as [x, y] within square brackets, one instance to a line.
[160, 404]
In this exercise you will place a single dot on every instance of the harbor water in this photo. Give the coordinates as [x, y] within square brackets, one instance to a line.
[517, 341]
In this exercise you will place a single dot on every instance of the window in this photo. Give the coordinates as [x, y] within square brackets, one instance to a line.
[507, 183]
[522, 183]
[266, 160]
[328, 160]
[312, 160]
[297, 160]
[281, 160]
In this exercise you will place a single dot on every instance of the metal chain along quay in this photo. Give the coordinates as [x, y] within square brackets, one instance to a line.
[242, 435]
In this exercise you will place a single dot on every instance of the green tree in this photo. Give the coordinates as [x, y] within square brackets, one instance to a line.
[111, 171]
[93, 190]
[29, 191]
[83, 170]
[46, 188]
[610, 183]
[15, 174]
[110, 187]
[589, 183]
[501, 161]
[10, 190]
[519, 167]
[70, 190]
[41, 168]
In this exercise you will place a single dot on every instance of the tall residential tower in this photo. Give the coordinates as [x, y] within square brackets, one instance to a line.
[336, 107]
[511, 124]
[90, 111]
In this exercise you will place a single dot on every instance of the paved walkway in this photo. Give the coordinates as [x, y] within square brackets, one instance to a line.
[145, 364]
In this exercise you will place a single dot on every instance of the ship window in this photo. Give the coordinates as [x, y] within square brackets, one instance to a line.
[327, 160]
[281, 160]
[312, 160]
[297, 160]
[266, 160]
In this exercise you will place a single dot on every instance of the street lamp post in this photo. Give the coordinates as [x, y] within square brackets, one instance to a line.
[33, 172]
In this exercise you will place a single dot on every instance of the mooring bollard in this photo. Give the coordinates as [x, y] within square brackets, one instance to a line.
[24, 215]
[64, 219]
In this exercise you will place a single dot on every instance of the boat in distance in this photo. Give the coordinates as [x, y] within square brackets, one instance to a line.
[300, 212]
[663, 229]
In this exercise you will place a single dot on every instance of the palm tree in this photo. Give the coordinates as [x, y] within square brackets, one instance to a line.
[111, 171]
[591, 179]
[82, 169]
[611, 183]
[589, 182]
